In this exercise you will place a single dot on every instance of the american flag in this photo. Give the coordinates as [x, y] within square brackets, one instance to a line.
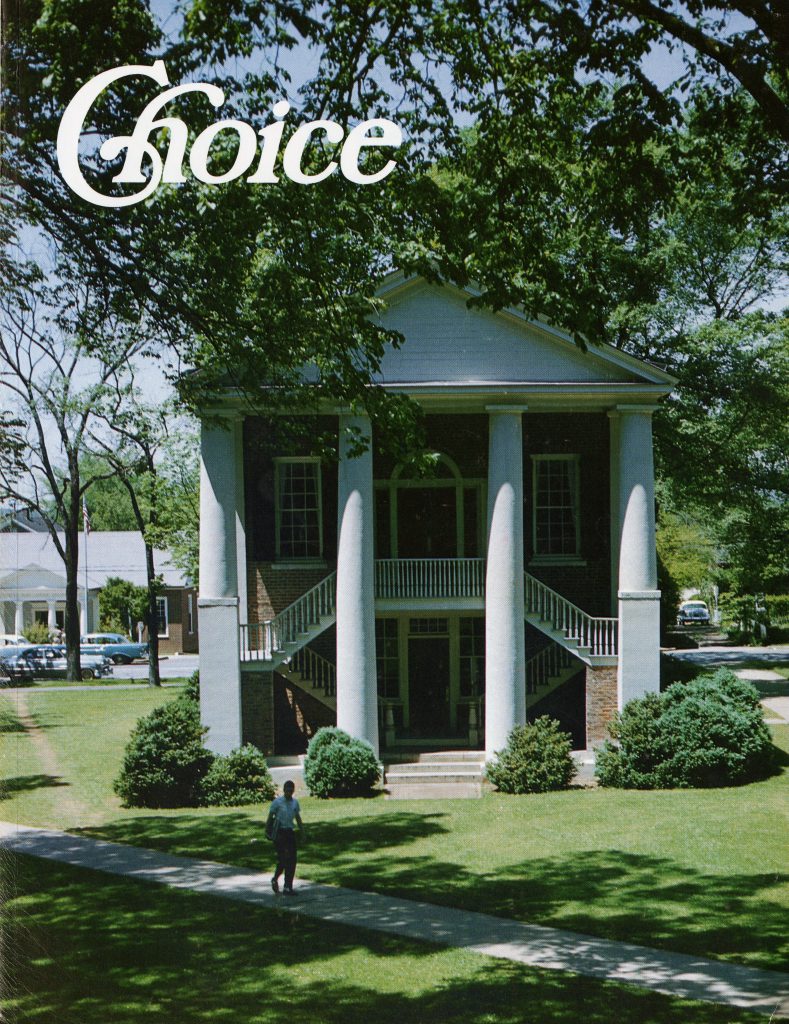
[85, 517]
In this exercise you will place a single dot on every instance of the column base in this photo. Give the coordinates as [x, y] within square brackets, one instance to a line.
[639, 644]
[220, 673]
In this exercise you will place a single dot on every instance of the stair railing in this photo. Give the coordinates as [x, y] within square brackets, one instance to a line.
[315, 669]
[598, 634]
[548, 663]
[261, 640]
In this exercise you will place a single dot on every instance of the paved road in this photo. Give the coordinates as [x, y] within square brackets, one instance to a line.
[734, 657]
[178, 666]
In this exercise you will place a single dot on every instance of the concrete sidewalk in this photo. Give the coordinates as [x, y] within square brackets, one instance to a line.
[674, 974]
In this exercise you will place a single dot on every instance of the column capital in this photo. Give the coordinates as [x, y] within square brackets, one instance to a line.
[511, 409]
[644, 410]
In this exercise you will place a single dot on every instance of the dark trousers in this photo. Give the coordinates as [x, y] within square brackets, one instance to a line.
[285, 845]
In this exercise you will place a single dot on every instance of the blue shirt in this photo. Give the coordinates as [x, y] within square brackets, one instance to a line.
[284, 811]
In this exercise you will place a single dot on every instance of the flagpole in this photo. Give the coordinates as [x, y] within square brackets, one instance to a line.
[86, 531]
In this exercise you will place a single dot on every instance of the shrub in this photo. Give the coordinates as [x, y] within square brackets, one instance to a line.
[192, 689]
[537, 759]
[339, 765]
[708, 732]
[165, 759]
[38, 633]
[240, 777]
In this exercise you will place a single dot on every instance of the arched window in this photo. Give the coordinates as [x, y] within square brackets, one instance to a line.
[430, 516]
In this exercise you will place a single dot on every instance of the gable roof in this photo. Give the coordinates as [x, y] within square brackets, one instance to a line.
[451, 345]
[110, 553]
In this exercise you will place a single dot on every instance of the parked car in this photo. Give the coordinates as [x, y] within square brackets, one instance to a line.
[48, 661]
[115, 646]
[693, 613]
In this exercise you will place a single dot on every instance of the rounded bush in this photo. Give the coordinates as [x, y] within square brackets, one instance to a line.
[339, 765]
[240, 777]
[537, 759]
[708, 732]
[165, 759]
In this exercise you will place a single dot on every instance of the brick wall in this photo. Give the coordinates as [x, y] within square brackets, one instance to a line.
[179, 640]
[271, 589]
[298, 716]
[601, 702]
[257, 710]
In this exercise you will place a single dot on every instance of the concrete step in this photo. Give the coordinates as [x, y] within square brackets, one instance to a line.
[437, 757]
[435, 790]
[453, 775]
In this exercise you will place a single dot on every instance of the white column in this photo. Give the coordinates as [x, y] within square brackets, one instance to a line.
[220, 659]
[52, 622]
[83, 616]
[505, 654]
[639, 598]
[241, 536]
[357, 691]
[19, 617]
[613, 463]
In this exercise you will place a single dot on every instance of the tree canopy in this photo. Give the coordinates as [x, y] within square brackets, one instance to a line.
[545, 160]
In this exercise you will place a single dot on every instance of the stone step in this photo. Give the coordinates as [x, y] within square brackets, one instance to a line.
[430, 778]
[437, 757]
[435, 791]
[435, 768]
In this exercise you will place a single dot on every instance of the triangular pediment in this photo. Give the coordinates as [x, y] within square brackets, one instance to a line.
[31, 577]
[447, 341]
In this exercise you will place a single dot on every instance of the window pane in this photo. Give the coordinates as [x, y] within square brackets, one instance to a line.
[386, 657]
[555, 507]
[299, 510]
[472, 657]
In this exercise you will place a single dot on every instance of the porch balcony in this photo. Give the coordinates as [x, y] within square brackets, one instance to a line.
[436, 584]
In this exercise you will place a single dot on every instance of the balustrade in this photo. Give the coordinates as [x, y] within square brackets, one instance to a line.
[429, 577]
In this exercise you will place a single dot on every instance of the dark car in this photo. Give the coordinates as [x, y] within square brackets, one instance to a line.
[17, 666]
[693, 613]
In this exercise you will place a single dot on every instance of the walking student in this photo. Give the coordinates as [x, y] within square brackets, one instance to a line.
[282, 815]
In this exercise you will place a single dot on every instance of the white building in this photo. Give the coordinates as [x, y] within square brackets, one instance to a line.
[33, 584]
[519, 577]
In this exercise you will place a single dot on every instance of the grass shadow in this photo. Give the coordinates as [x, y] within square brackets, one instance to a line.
[649, 900]
[95, 949]
[27, 783]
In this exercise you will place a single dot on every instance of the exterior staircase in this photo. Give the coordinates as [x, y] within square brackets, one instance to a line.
[592, 639]
[281, 644]
[278, 640]
[549, 669]
[313, 673]
[440, 775]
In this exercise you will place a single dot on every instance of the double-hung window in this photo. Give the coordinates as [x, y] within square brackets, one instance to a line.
[298, 509]
[163, 614]
[556, 526]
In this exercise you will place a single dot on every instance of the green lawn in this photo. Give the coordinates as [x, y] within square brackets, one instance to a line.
[703, 872]
[108, 681]
[90, 949]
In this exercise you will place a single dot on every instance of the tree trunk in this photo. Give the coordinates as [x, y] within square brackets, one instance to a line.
[72, 623]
